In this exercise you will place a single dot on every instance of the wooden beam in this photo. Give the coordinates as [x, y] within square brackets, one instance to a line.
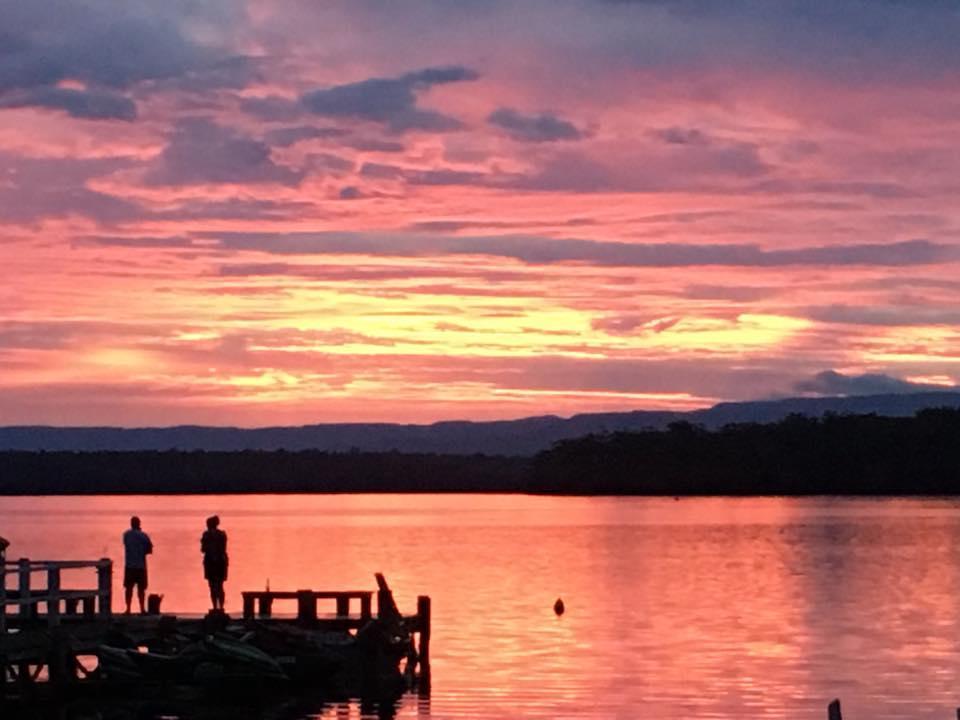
[53, 596]
[423, 613]
[306, 606]
[265, 607]
[3, 613]
[105, 588]
[386, 607]
[24, 587]
[423, 618]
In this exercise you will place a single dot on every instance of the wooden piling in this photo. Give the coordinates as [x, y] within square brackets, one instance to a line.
[3, 608]
[23, 588]
[61, 665]
[423, 614]
[423, 620]
[833, 711]
[53, 596]
[386, 605]
[306, 606]
[105, 588]
[265, 606]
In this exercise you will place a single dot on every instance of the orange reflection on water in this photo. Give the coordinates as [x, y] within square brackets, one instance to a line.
[697, 608]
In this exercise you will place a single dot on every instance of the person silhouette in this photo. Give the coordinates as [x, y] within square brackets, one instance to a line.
[136, 546]
[213, 545]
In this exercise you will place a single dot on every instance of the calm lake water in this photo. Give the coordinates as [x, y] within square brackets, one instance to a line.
[690, 608]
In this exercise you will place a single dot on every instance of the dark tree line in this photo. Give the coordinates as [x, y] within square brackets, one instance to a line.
[836, 454]
[253, 471]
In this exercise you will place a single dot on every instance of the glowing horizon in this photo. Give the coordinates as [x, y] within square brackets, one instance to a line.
[263, 213]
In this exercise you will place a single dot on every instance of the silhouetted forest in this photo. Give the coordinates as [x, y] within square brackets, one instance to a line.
[835, 454]
[254, 471]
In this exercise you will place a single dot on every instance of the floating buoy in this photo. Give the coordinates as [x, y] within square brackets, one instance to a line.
[558, 607]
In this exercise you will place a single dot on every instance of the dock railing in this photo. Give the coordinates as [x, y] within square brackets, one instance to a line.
[18, 590]
[260, 604]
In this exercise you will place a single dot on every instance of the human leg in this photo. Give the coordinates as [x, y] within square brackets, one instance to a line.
[128, 582]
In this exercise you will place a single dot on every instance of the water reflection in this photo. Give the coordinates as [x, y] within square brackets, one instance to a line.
[697, 608]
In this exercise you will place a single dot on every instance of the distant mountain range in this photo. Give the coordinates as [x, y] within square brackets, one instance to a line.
[526, 436]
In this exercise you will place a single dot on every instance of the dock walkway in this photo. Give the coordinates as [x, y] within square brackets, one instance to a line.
[49, 632]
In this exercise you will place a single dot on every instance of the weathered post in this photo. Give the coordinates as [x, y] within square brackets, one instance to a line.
[3, 623]
[247, 606]
[105, 587]
[23, 588]
[53, 595]
[3, 611]
[833, 711]
[265, 606]
[70, 606]
[61, 665]
[365, 607]
[386, 606]
[343, 606]
[423, 615]
[306, 606]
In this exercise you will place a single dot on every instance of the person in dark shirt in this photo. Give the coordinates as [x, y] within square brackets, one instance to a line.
[213, 545]
[136, 546]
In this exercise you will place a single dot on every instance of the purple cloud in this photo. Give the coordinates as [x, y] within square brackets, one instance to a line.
[89, 105]
[390, 101]
[32, 189]
[830, 382]
[288, 136]
[110, 48]
[534, 249]
[545, 127]
[200, 151]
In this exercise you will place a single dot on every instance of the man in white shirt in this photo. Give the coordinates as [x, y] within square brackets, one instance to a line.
[136, 545]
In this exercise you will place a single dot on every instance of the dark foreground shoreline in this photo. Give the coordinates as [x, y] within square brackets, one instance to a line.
[833, 455]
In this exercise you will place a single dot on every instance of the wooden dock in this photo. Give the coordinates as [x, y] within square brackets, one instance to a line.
[57, 640]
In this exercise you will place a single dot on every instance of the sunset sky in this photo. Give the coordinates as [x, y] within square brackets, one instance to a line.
[286, 212]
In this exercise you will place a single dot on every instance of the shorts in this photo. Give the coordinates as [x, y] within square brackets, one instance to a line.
[215, 571]
[135, 577]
